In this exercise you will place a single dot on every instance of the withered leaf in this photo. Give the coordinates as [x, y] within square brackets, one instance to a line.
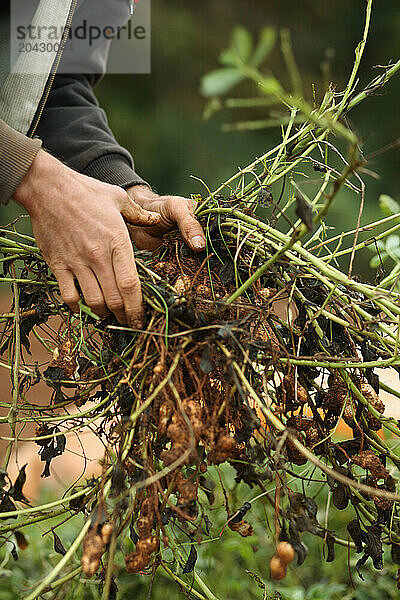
[50, 448]
[61, 442]
[28, 323]
[46, 470]
[310, 506]
[340, 497]
[207, 485]
[361, 561]
[14, 553]
[77, 503]
[227, 272]
[302, 552]
[117, 480]
[6, 266]
[264, 197]
[207, 524]
[165, 516]
[191, 561]
[374, 545]
[206, 364]
[16, 490]
[3, 478]
[238, 516]
[330, 543]
[6, 505]
[306, 523]
[98, 516]
[21, 540]
[132, 533]
[304, 211]
[58, 545]
[356, 534]
[395, 553]
[55, 374]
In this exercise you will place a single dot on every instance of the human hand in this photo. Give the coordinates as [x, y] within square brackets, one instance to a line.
[174, 211]
[80, 226]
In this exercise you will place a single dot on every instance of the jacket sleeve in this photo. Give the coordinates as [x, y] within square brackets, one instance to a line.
[74, 128]
[17, 153]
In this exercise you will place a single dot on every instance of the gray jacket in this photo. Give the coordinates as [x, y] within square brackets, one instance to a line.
[69, 122]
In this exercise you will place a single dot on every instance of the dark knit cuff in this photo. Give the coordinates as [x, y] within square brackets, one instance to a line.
[114, 169]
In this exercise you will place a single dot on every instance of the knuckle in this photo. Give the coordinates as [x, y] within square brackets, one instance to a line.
[120, 240]
[57, 266]
[115, 303]
[70, 298]
[190, 226]
[129, 284]
[95, 252]
[96, 302]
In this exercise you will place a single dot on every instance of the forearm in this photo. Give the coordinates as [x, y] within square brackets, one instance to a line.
[17, 153]
[40, 182]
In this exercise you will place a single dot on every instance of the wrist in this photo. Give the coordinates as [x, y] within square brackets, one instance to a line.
[44, 170]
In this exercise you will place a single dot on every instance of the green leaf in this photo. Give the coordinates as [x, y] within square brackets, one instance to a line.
[392, 242]
[228, 58]
[242, 43]
[88, 311]
[388, 205]
[266, 43]
[376, 261]
[240, 49]
[220, 81]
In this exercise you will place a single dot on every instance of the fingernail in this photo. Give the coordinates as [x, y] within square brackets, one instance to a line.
[198, 242]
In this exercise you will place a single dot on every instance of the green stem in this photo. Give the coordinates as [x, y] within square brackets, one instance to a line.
[17, 357]
[61, 564]
[359, 54]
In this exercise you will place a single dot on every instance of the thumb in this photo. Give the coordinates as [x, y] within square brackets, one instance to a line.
[191, 230]
[136, 215]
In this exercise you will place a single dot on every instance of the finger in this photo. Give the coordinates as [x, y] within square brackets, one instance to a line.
[114, 301]
[191, 230]
[143, 240]
[91, 291]
[128, 283]
[68, 290]
[136, 215]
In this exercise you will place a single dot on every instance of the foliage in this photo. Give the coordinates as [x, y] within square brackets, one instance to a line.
[223, 80]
